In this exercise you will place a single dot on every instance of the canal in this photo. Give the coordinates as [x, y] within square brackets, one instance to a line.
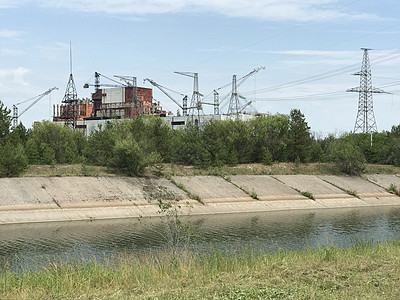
[31, 246]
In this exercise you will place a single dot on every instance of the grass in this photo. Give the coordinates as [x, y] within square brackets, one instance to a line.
[67, 170]
[352, 193]
[363, 271]
[183, 188]
[308, 195]
[169, 170]
[393, 189]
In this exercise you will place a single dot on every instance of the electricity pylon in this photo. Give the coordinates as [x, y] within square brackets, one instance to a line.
[365, 121]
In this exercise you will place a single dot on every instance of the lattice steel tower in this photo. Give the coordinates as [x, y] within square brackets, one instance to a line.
[365, 121]
[70, 98]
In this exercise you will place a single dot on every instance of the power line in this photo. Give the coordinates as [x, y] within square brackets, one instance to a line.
[325, 75]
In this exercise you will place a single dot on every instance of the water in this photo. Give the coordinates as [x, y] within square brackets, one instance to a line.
[35, 245]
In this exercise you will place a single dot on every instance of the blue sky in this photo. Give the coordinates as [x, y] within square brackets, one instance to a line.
[309, 49]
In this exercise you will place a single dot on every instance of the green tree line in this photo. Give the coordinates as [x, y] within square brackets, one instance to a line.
[132, 145]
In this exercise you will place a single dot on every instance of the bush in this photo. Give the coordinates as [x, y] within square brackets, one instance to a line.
[129, 157]
[13, 160]
[51, 143]
[347, 156]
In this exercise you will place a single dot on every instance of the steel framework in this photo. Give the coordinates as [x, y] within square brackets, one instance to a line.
[70, 98]
[365, 120]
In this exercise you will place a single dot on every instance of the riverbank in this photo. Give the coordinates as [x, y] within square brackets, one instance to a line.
[363, 271]
[51, 199]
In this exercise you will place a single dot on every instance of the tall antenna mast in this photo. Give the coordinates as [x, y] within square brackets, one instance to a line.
[70, 97]
[365, 121]
[70, 58]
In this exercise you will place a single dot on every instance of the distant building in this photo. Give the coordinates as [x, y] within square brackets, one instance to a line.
[106, 104]
[119, 103]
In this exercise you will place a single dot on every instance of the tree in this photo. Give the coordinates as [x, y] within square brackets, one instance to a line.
[129, 157]
[270, 135]
[345, 154]
[299, 143]
[13, 160]
[189, 148]
[52, 143]
[5, 120]
[100, 145]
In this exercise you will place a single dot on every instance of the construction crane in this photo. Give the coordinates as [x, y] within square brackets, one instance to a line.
[34, 99]
[165, 91]
[234, 103]
[129, 81]
[244, 106]
[195, 102]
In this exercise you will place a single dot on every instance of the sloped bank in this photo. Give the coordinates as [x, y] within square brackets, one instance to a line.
[51, 199]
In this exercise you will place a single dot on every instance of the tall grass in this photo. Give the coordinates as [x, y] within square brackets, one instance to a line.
[364, 271]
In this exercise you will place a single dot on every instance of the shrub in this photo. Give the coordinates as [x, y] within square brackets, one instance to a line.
[347, 156]
[13, 160]
[129, 157]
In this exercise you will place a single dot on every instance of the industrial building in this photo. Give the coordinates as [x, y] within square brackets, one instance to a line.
[120, 102]
[126, 101]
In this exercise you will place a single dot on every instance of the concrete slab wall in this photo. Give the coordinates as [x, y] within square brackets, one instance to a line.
[384, 180]
[312, 184]
[359, 185]
[212, 189]
[266, 187]
[50, 199]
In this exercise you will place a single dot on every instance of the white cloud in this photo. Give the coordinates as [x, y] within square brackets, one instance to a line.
[299, 10]
[54, 51]
[14, 76]
[5, 33]
[11, 3]
[11, 52]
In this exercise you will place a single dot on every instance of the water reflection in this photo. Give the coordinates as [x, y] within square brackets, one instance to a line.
[31, 245]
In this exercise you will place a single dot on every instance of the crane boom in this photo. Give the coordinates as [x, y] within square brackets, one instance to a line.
[164, 90]
[37, 98]
[245, 77]
[97, 83]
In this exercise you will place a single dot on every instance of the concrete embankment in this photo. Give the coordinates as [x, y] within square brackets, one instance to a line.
[50, 199]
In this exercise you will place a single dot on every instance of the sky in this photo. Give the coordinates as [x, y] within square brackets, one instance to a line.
[309, 48]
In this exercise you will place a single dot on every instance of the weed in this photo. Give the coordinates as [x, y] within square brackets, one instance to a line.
[183, 188]
[308, 195]
[174, 232]
[393, 189]
[254, 195]
[352, 193]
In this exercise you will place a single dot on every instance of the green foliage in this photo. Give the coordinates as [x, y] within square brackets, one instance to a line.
[316, 153]
[393, 157]
[266, 157]
[189, 147]
[269, 134]
[51, 143]
[5, 120]
[352, 193]
[13, 160]
[100, 145]
[299, 143]
[254, 195]
[393, 189]
[129, 157]
[308, 195]
[347, 156]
